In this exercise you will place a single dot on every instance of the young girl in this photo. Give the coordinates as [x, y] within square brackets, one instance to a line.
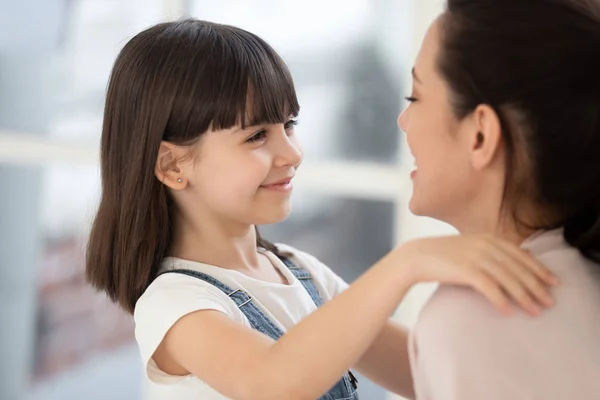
[508, 93]
[198, 148]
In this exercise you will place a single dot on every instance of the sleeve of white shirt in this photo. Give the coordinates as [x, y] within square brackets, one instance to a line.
[467, 350]
[169, 298]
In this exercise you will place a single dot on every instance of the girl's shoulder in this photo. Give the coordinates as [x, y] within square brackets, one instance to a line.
[324, 277]
[173, 289]
[170, 297]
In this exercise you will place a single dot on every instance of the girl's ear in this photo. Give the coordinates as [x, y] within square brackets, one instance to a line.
[167, 169]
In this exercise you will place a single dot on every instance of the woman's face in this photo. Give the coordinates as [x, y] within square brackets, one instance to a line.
[448, 179]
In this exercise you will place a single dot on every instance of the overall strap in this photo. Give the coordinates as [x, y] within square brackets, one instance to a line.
[305, 279]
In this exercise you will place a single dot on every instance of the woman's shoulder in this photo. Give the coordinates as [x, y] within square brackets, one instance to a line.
[460, 320]
[469, 314]
[460, 334]
[460, 312]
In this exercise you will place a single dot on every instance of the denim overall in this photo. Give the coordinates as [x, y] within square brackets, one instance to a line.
[345, 389]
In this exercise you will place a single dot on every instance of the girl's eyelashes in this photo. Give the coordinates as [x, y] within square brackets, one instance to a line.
[410, 99]
[262, 134]
[290, 124]
[257, 137]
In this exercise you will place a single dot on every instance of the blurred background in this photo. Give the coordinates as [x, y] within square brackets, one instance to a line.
[351, 62]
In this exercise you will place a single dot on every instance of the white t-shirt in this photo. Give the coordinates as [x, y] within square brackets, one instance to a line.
[172, 296]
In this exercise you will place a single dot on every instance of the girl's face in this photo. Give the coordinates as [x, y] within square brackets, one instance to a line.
[242, 175]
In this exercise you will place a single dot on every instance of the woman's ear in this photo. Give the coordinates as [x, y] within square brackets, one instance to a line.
[485, 138]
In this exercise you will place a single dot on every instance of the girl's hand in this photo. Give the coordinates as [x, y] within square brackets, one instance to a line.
[498, 269]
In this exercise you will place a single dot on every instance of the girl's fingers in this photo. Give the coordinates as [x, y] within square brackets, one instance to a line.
[526, 259]
[492, 291]
[532, 283]
[512, 285]
[530, 273]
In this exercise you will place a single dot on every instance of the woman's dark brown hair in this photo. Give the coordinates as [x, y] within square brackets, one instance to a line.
[537, 63]
[172, 82]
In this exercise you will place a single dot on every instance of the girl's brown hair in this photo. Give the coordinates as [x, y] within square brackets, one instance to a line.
[171, 82]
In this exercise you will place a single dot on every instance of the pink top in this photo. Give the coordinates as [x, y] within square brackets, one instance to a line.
[463, 348]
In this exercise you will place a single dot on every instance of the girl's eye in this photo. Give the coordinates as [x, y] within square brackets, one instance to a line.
[261, 135]
[290, 124]
[257, 137]
[410, 99]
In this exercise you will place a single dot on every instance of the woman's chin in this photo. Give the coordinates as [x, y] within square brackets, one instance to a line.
[416, 206]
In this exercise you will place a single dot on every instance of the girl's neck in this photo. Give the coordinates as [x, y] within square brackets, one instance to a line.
[226, 245]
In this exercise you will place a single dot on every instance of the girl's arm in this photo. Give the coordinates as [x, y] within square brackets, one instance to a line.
[386, 361]
[307, 360]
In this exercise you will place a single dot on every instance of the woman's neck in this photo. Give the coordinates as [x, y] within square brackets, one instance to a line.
[505, 228]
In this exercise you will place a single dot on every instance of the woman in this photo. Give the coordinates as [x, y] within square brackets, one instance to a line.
[504, 125]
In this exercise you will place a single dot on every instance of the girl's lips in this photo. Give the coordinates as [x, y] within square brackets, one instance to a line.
[280, 186]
